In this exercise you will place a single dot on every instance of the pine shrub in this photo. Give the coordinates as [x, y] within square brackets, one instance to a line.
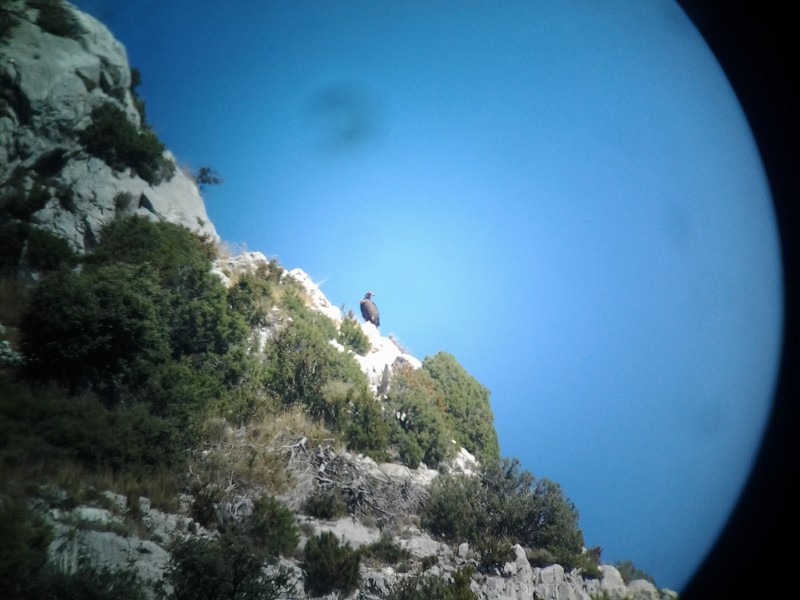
[272, 528]
[121, 145]
[224, 568]
[329, 566]
[352, 336]
[325, 504]
[386, 551]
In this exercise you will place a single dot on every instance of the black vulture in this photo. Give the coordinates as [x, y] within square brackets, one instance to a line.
[369, 311]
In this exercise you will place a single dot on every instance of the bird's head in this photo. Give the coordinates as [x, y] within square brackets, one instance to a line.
[368, 295]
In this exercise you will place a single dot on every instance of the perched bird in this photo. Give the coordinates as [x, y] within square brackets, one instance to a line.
[369, 311]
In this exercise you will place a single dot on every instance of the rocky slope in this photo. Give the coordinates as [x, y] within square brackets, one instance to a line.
[54, 75]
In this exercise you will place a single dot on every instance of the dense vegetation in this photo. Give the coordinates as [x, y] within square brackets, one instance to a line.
[130, 357]
[503, 506]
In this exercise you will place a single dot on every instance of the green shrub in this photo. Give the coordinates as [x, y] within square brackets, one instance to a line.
[427, 587]
[455, 509]
[65, 197]
[224, 568]
[245, 399]
[195, 302]
[43, 423]
[206, 498]
[325, 504]
[12, 242]
[136, 81]
[121, 145]
[55, 18]
[467, 409]
[386, 551]
[629, 572]
[421, 433]
[169, 248]
[540, 557]
[352, 336]
[367, 429]
[272, 528]
[504, 503]
[90, 583]
[47, 251]
[328, 566]
[122, 202]
[116, 323]
[23, 553]
[251, 296]
[300, 365]
[22, 195]
[494, 552]
[92, 328]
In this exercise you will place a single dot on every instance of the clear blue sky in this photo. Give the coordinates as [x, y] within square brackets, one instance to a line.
[565, 196]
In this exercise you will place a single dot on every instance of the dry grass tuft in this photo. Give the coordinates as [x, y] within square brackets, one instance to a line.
[255, 455]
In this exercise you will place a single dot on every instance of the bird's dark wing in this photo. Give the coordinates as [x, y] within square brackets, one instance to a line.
[365, 309]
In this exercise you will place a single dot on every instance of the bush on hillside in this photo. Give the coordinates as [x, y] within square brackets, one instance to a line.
[223, 568]
[272, 529]
[630, 571]
[121, 145]
[301, 367]
[504, 503]
[146, 328]
[251, 296]
[352, 336]
[386, 551]
[25, 573]
[23, 553]
[325, 504]
[23, 194]
[12, 242]
[47, 251]
[420, 434]
[368, 429]
[467, 409]
[90, 329]
[426, 587]
[169, 248]
[45, 425]
[95, 583]
[329, 566]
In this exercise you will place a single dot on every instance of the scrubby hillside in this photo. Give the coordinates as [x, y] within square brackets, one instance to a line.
[180, 422]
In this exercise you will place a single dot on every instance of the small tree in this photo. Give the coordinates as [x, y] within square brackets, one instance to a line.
[225, 568]
[207, 176]
[272, 528]
[329, 566]
[351, 336]
[504, 503]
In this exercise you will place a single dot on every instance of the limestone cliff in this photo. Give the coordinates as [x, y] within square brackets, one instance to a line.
[54, 77]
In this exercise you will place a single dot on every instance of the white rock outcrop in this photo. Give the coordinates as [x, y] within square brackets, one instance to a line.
[49, 85]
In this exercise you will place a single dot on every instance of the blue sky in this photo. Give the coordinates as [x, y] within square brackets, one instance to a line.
[564, 196]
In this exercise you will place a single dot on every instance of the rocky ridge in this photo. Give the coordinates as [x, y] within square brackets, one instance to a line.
[49, 86]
